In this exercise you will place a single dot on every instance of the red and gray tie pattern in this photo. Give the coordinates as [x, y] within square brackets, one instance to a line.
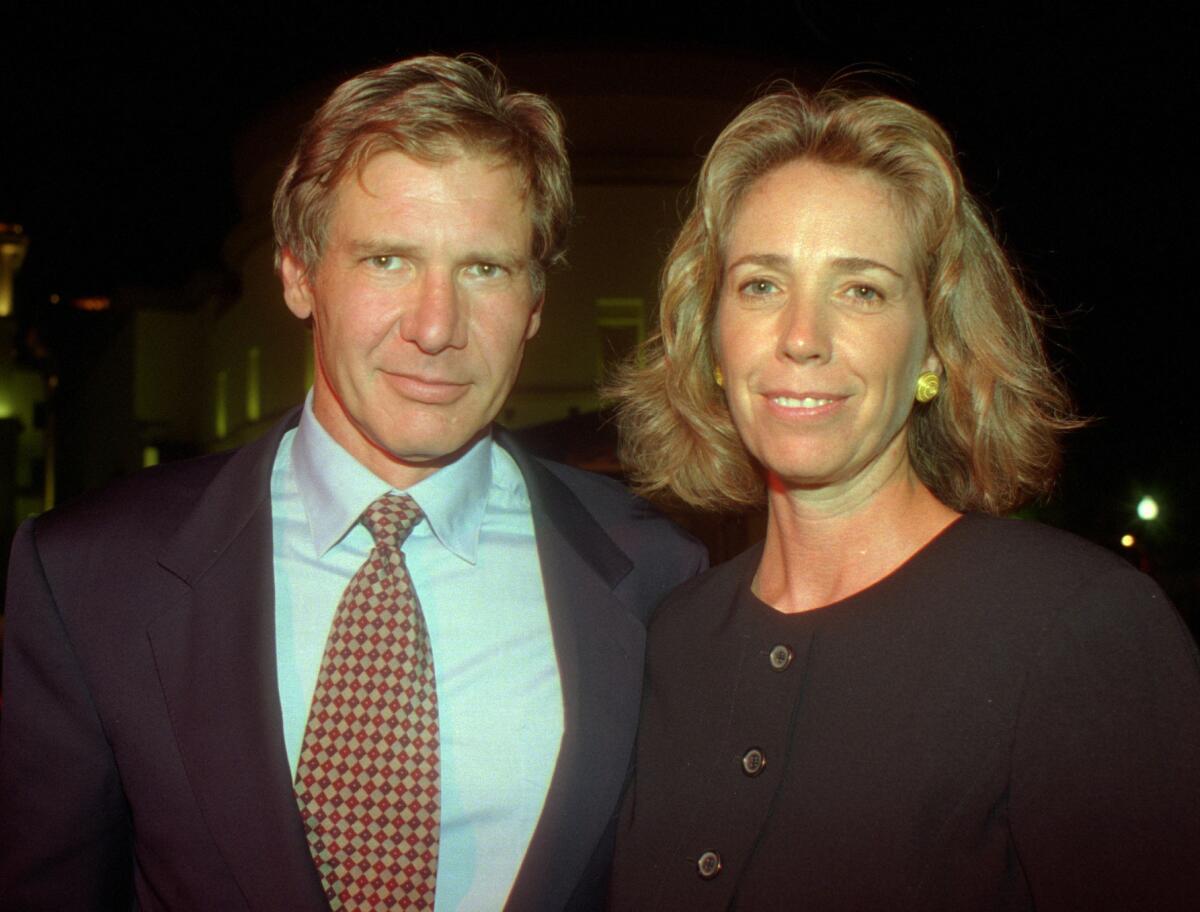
[368, 781]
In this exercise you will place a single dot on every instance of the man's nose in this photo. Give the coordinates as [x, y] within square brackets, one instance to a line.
[436, 319]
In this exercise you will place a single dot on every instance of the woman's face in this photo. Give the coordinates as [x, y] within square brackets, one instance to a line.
[821, 329]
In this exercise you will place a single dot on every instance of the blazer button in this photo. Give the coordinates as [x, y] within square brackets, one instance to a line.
[781, 657]
[708, 865]
[753, 762]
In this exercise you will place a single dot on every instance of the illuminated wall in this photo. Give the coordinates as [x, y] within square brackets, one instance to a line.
[21, 394]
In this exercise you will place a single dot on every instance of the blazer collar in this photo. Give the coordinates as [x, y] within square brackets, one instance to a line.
[232, 502]
[215, 652]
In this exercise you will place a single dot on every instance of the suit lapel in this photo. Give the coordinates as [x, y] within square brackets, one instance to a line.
[215, 653]
[599, 645]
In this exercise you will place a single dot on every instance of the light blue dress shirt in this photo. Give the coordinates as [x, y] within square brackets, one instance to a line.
[474, 562]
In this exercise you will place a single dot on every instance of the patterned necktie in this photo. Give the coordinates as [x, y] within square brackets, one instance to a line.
[368, 778]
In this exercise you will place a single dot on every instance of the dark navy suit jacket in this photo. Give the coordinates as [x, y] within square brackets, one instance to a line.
[142, 760]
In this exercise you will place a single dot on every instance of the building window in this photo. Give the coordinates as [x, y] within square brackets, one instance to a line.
[253, 384]
[149, 456]
[221, 416]
[621, 325]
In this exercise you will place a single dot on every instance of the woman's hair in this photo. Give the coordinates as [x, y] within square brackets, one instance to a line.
[988, 442]
[431, 109]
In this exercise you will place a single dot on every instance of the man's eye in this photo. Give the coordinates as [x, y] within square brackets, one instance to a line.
[485, 270]
[385, 262]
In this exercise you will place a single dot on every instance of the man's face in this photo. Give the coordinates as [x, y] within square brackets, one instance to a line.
[422, 303]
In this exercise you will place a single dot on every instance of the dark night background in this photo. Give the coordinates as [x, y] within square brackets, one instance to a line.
[117, 129]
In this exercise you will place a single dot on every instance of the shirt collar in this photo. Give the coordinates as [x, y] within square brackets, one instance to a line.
[336, 488]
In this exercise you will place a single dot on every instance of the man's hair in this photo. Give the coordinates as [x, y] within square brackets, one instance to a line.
[988, 442]
[432, 109]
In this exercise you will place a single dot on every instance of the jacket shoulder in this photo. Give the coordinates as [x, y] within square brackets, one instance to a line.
[149, 505]
[1060, 583]
[712, 590]
[146, 506]
[1024, 542]
[630, 520]
[1036, 565]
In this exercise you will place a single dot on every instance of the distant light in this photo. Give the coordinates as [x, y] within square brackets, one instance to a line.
[221, 418]
[254, 383]
[149, 456]
[1128, 540]
[13, 244]
[1147, 508]
[93, 305]
[54, 299]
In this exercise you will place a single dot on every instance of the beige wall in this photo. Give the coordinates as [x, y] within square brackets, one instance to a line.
[258, 319]
[616, 248]
[168, 363]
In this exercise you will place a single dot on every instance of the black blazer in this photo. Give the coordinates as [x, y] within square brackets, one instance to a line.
[1010, 720]
[141, 746]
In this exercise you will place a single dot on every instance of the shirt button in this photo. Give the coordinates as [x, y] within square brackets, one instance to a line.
[709, 865]
[753, 762]
[781, 657]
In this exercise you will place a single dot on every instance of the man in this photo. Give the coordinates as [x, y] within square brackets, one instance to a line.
[168, 637]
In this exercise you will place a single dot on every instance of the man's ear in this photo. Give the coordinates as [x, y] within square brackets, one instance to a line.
[535, 318]
[297, 291]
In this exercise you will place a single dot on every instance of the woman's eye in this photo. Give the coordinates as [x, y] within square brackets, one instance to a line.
[865, 293]
[759, 287]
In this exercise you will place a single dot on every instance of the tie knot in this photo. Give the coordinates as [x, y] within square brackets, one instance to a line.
[390, 518]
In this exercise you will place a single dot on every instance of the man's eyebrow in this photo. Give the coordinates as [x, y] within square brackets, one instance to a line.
[508, 259]
[381, 247]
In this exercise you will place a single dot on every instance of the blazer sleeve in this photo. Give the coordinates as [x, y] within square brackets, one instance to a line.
[1105, 797]
[65, 838]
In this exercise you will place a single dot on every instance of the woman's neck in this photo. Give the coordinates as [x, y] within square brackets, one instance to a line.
[824, 544]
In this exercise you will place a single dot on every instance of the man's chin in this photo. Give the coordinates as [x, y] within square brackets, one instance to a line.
[431, 454]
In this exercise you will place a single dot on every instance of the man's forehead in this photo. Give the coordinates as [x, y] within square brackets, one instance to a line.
[442, 156]
[393, 173]
[393, 195]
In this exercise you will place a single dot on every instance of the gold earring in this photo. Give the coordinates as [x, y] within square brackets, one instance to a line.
[928, 386]
[718, 377]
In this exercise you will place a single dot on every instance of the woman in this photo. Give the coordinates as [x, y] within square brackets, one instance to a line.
[899, 700]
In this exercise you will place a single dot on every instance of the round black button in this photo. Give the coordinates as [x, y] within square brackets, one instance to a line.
[781, 657]
[753, 761]
[709, 865]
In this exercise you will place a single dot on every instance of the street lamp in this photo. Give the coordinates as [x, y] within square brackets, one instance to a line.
[1147, 508]
[13, 244]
